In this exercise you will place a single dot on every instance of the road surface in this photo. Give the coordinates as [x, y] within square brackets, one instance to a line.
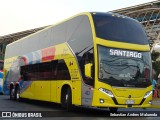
[31, 110]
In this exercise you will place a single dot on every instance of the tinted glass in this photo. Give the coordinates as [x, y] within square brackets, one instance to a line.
[76, 31]
[55, 70]
[121, 29]
[79, 34]
[124, 68]
[88, 57]
[59, 33]
[62, 71]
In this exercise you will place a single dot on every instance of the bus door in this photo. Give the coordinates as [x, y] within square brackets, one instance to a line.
[87, 68]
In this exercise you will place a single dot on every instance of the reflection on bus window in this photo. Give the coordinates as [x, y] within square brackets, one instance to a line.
[54, 70]
[87, 58]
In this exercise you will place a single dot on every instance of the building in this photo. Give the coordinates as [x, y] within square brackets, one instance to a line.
[148, 15]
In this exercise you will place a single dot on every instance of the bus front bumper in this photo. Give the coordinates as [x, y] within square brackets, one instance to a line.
[102, 100]
[107, 104]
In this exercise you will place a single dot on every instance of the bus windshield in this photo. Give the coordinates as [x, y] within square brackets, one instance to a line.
[121, 29]
[124, 68]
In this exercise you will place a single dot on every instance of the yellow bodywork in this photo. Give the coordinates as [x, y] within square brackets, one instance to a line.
[121, 95]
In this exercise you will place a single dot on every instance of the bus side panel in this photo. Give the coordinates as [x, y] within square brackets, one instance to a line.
[74, 83]
[29, 90]
[76, 80]
[76, 92]
[53, 91]
[42, 90]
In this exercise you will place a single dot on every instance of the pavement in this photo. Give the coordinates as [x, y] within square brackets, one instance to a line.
[156, 103]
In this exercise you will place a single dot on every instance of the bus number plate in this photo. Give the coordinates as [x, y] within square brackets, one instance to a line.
[129, 101]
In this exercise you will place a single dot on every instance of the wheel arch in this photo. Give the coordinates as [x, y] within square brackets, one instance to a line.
[64, 89]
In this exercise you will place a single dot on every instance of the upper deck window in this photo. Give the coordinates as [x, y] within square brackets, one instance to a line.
[119, 28]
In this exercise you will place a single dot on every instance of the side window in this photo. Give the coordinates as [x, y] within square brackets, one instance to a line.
[87, 58]
[33, 71]
[79, 34]
[62, 71]
[54, 70]
[25, 72]
[40, 71]
[45, 71]
[59, 33]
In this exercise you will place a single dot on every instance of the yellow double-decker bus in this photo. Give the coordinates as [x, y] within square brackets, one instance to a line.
[92, 59]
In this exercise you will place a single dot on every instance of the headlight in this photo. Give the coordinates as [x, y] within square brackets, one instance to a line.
[107, 92]
[147, 94]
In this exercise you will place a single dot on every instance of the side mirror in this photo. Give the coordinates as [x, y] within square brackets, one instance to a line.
[88, 70]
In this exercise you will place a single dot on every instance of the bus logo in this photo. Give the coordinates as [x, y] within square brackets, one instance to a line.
[6, 114]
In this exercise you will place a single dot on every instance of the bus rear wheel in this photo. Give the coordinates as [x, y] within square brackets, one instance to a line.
[11, 93]
[66, 101]
[17, 94]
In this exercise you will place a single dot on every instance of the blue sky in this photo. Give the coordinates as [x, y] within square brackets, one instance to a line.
[20, 15]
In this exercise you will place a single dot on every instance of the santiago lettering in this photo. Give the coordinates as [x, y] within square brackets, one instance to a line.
[124, 53]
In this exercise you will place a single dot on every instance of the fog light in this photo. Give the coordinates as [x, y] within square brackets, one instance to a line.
[101, 100]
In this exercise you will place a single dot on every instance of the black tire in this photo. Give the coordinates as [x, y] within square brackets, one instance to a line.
[66, 102]
[63, 102]
[17, 94]
[113, 109]
[11, 93]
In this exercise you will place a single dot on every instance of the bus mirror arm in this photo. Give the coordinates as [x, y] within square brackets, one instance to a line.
[88, 70]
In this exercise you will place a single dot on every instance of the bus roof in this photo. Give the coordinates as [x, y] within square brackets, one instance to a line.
[54, 34]
[85, 13]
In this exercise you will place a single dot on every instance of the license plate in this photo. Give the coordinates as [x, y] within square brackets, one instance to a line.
[129, 101]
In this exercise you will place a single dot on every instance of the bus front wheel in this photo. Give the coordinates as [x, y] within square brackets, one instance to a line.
[66, 102]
